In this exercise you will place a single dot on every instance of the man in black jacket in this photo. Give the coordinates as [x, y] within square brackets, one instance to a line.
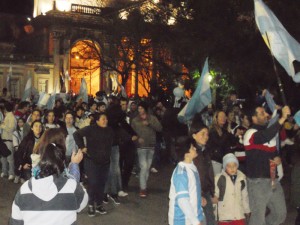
[99, 140]
[262, 159]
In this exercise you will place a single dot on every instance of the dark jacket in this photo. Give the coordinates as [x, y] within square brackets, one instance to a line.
[205, 169]
[218, 146]
[260, 146]
[99, 142]
[22, 156]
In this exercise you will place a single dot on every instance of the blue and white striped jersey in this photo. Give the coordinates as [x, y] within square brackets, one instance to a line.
[185, 184]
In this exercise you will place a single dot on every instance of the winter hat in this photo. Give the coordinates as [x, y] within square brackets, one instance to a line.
[228, 158]
[144, 105]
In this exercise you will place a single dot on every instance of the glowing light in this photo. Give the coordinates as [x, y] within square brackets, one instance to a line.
[171, 21]
[155, 1]
[123, 15]
[28, 19]
[210, 78]
[63, 5]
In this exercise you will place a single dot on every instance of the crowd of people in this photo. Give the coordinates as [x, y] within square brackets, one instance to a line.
[229, 162]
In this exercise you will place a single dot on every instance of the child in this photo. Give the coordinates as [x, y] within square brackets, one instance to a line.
[185, 191]
[231, 189]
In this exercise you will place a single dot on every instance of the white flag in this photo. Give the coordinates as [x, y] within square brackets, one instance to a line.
[83, 94]
[282, 45]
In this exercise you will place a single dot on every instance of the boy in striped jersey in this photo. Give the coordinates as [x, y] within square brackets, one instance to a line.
[185, 192]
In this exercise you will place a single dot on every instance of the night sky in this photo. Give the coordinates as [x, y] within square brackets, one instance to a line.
[22, 7]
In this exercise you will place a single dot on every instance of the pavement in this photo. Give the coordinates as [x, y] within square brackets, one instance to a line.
[133, 210]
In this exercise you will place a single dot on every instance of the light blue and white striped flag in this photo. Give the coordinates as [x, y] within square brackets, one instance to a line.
[83, 93]
[281, 44]
[9, 75]
[51, 101]
[27, 90]
[200, 99]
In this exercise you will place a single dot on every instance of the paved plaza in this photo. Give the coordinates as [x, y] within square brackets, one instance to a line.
[132, 211]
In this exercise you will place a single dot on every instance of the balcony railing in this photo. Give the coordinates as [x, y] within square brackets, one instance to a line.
[84, 9]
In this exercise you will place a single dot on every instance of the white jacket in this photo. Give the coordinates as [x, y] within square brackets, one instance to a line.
[235, 202]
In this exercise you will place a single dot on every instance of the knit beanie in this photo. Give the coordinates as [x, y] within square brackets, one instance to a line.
[228, 158]
[144, 105]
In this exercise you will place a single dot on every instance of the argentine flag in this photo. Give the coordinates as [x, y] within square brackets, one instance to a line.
[281, 44]
[51, 101]
[200, 99]
[27, 90]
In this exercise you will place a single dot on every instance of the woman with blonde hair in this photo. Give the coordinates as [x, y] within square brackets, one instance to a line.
[220, 140]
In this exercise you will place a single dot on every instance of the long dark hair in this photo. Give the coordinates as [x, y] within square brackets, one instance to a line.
[54, 135]
[52, 160]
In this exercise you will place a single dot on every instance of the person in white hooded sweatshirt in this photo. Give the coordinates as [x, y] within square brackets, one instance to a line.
[50, 197]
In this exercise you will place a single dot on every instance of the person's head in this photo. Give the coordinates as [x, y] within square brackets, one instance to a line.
[79, 111]
[69, 119]
[8, 107]
[219, 118]
[187, 150]
[49, 117]
[101, 119]
[133, 106]
[101, 107]
[58, 103]
[37, 128]
[54, 135]
[199, 132]
[245, 120]
[93, 106]
[259, 116]
[20, 124]
[230, 164]
[36, 115]
[114, 100]
[23, 106]
[143, 108]
[230, 116]
[52, 160]
[84, 106]
[159, 105]
[123, 104]
[100, 95]
[233, 96]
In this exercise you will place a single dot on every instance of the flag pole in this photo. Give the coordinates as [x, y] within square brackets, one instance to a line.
[279, 82]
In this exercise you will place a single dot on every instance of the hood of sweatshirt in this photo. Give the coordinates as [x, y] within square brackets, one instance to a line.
[44, 188]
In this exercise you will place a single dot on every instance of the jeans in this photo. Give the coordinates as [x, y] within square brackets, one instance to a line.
[8, 167]
[114, 184]
[96, 178]
[261, 196]
[145, 156]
